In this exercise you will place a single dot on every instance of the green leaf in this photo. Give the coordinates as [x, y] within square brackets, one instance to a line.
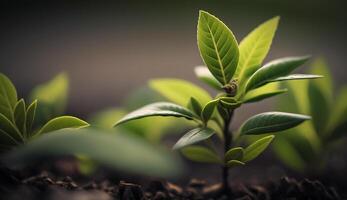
[204, 74]
[229, 102]
[208, 110]
[234, 154]
[195, 106]
[266, 91]
[8, 96]
[254, 48]
[10, 129]
[319, 108]
[20, 117]
[61, 123]
[295, 77]
[288, 153]
[235, 163]
[269, 122]
[52, 97]
[274, 69]
[157, 109]
[194, 136]
[201, 154]
[339, 110]
[180, 91]
[30, 116]
[218, 47]
[115, 151]
[320, 67]
[256, 148]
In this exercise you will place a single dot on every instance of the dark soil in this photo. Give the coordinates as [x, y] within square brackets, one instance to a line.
[14, 186]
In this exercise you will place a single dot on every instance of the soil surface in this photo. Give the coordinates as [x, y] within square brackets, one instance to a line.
[14, 186]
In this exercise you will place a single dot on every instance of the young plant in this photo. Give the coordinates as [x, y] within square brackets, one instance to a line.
[307, 148]
[237, 73]
[17, 119]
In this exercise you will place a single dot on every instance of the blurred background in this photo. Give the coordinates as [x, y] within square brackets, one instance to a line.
[109, 48]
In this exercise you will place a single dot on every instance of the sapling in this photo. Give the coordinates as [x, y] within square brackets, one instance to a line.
[237, 73]
[307, 148]
[17, 118]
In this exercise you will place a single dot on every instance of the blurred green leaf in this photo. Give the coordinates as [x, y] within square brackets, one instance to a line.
[61, 123]
[325, 84]
[235, 153]
[339, 110]
[274, 69]
[263, 92]
[254, 48]
[194, 136]
[319, 108]
[52, 97]
[218, 47]
[180, 91]
[20, 117]
[256, 148]
[200, 154]
[30, 118]
[296, 77]
[269, 122]
[288, 153]
[235, 163]
[116, 151]
[158, 109]
[204, 74]
[8, 97]
[208, 110]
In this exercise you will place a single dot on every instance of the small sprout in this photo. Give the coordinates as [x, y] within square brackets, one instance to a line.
[17, 120]
[235, 71]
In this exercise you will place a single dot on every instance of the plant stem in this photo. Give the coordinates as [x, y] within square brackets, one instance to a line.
[227, 142]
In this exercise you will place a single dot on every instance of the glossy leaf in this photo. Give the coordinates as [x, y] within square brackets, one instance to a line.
[8, 127]
[274, 69]
[200, 154]
[266, 91]
[158, 109]
[234, 154]
[218, 47]
[254, 48]
[256, 148]
[229, 102]
[30, 118]
[8, 96]
[195, 106]
[269, 122]
[61, 123]
[194, 136]
[115, 151]
[235, 163]
[296, 77]
[208, 110]
[204, 74]
[180, 91]
[20, 116]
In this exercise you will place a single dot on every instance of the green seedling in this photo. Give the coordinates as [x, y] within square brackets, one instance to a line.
[307, 148]
[237, 73]
[17, 118]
